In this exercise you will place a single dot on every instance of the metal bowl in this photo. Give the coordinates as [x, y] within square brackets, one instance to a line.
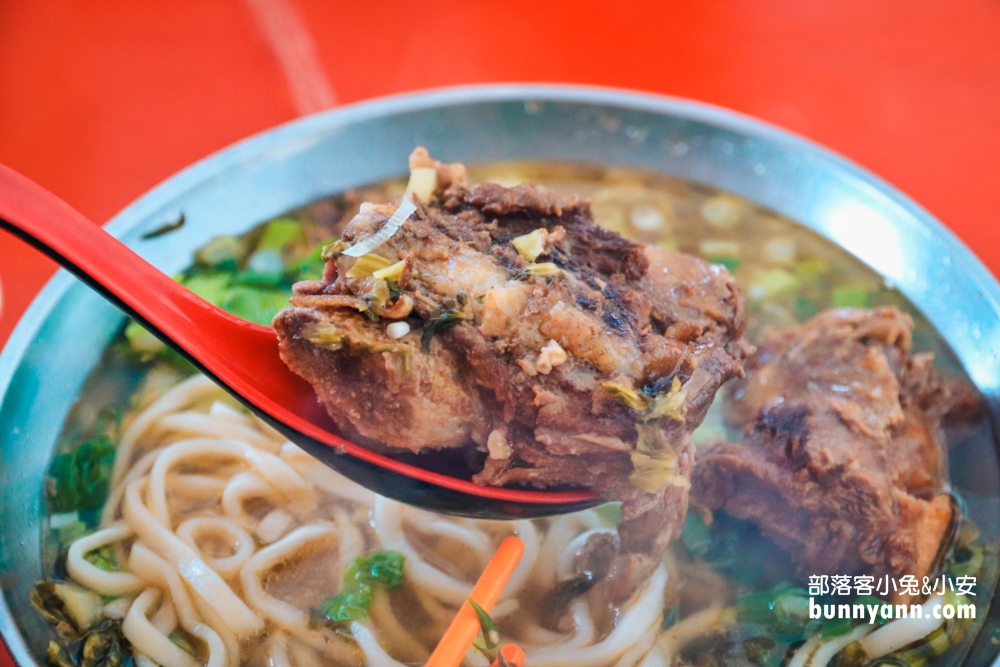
[65, 331]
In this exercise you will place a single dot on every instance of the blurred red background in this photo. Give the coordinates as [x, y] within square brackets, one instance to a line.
[99, 101]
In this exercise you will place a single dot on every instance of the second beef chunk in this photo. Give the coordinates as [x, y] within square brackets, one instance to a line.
[842, 462]
[589, 366]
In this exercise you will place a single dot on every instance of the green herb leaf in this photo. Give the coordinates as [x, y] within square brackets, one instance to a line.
[382, 568]
[347, 606]
[835, 628]
[447, 315]
[491, 635]
[81, 477]
[212, 286]
[254, 304]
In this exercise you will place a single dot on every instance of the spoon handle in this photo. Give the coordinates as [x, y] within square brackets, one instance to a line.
[182, 319]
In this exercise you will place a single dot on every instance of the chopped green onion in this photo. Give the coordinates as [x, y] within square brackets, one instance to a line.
[810, 269]
[366, 265]
[530, 246]
[395, 348]
[770, 282]
[391, 273]
[104, 558]
[422, 184]
[323, 334]
[491, 635]
[279, 234]
[628, 395]
[333, 250]
[543, 270]
[851, 296]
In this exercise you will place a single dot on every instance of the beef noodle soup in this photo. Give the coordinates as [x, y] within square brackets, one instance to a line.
[184, 531]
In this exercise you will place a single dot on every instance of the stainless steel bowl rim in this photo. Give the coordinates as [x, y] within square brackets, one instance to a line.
[972, 295]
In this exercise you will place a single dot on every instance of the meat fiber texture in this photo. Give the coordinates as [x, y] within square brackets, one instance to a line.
[589, 366]
[842, 461]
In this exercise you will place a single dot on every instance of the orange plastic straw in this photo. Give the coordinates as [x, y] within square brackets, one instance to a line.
[463, 630]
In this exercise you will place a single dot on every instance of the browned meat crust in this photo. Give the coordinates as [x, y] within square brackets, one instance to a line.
[842, 462]
[551, 368]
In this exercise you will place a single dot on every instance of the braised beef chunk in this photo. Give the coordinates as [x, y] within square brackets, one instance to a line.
[842, 460]
[568, 354]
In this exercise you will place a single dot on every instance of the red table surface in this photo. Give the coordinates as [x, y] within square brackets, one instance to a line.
[99, 101]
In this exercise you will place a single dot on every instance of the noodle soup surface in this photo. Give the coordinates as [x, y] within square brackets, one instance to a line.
[157, 469]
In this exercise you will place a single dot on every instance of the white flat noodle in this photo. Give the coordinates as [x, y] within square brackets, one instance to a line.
[375, 655]
[405, 210]
[903, 631]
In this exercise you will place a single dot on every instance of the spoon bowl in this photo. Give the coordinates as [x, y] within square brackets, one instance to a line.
[243, 359]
